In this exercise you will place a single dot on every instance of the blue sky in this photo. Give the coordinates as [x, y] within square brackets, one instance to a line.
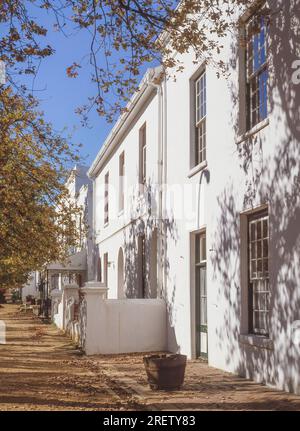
[60, 95]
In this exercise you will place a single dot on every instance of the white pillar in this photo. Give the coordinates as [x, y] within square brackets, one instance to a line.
[92, 317]
[56, 307]
[70, 297]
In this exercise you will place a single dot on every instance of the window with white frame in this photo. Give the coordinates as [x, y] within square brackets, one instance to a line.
[106, 197]
[200, 119]
[258, 270]
[257, 69]
[121, 180]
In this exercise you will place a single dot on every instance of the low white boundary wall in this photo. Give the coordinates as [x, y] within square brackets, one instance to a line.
[63, 303]
[57, 310]
[122, 326]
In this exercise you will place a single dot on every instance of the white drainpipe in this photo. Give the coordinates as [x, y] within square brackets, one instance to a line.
[165, 178]
[160, 157]
[94, 260]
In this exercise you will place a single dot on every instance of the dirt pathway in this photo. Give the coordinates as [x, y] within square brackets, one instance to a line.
[40, 369]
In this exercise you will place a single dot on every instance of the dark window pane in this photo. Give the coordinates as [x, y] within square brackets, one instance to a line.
[197, 248]
[266, 267]
[265, 248]
[253, 250]
[203, 248]
[265, 228]
[256, 320]
[259, 267]
[258, 229]
[252, 232]
[197, 281]
[259, 249]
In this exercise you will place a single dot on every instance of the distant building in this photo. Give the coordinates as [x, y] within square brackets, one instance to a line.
[76, 268]
[31, 288]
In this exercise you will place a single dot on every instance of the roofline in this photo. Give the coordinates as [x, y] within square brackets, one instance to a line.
[149, 78]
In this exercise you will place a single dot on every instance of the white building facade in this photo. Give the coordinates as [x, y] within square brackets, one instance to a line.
[196, 211]
[232, 269]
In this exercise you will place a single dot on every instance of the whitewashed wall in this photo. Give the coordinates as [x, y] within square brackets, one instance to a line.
[124, 326]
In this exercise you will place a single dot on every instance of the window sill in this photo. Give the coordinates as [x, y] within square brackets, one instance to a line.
[253, 131]
[257, 341]
[197, 169]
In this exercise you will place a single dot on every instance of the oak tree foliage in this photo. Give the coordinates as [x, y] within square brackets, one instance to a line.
[124, 36]
[37, 216]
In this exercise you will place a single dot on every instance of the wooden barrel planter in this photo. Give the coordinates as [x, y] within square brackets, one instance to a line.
[165, 371]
